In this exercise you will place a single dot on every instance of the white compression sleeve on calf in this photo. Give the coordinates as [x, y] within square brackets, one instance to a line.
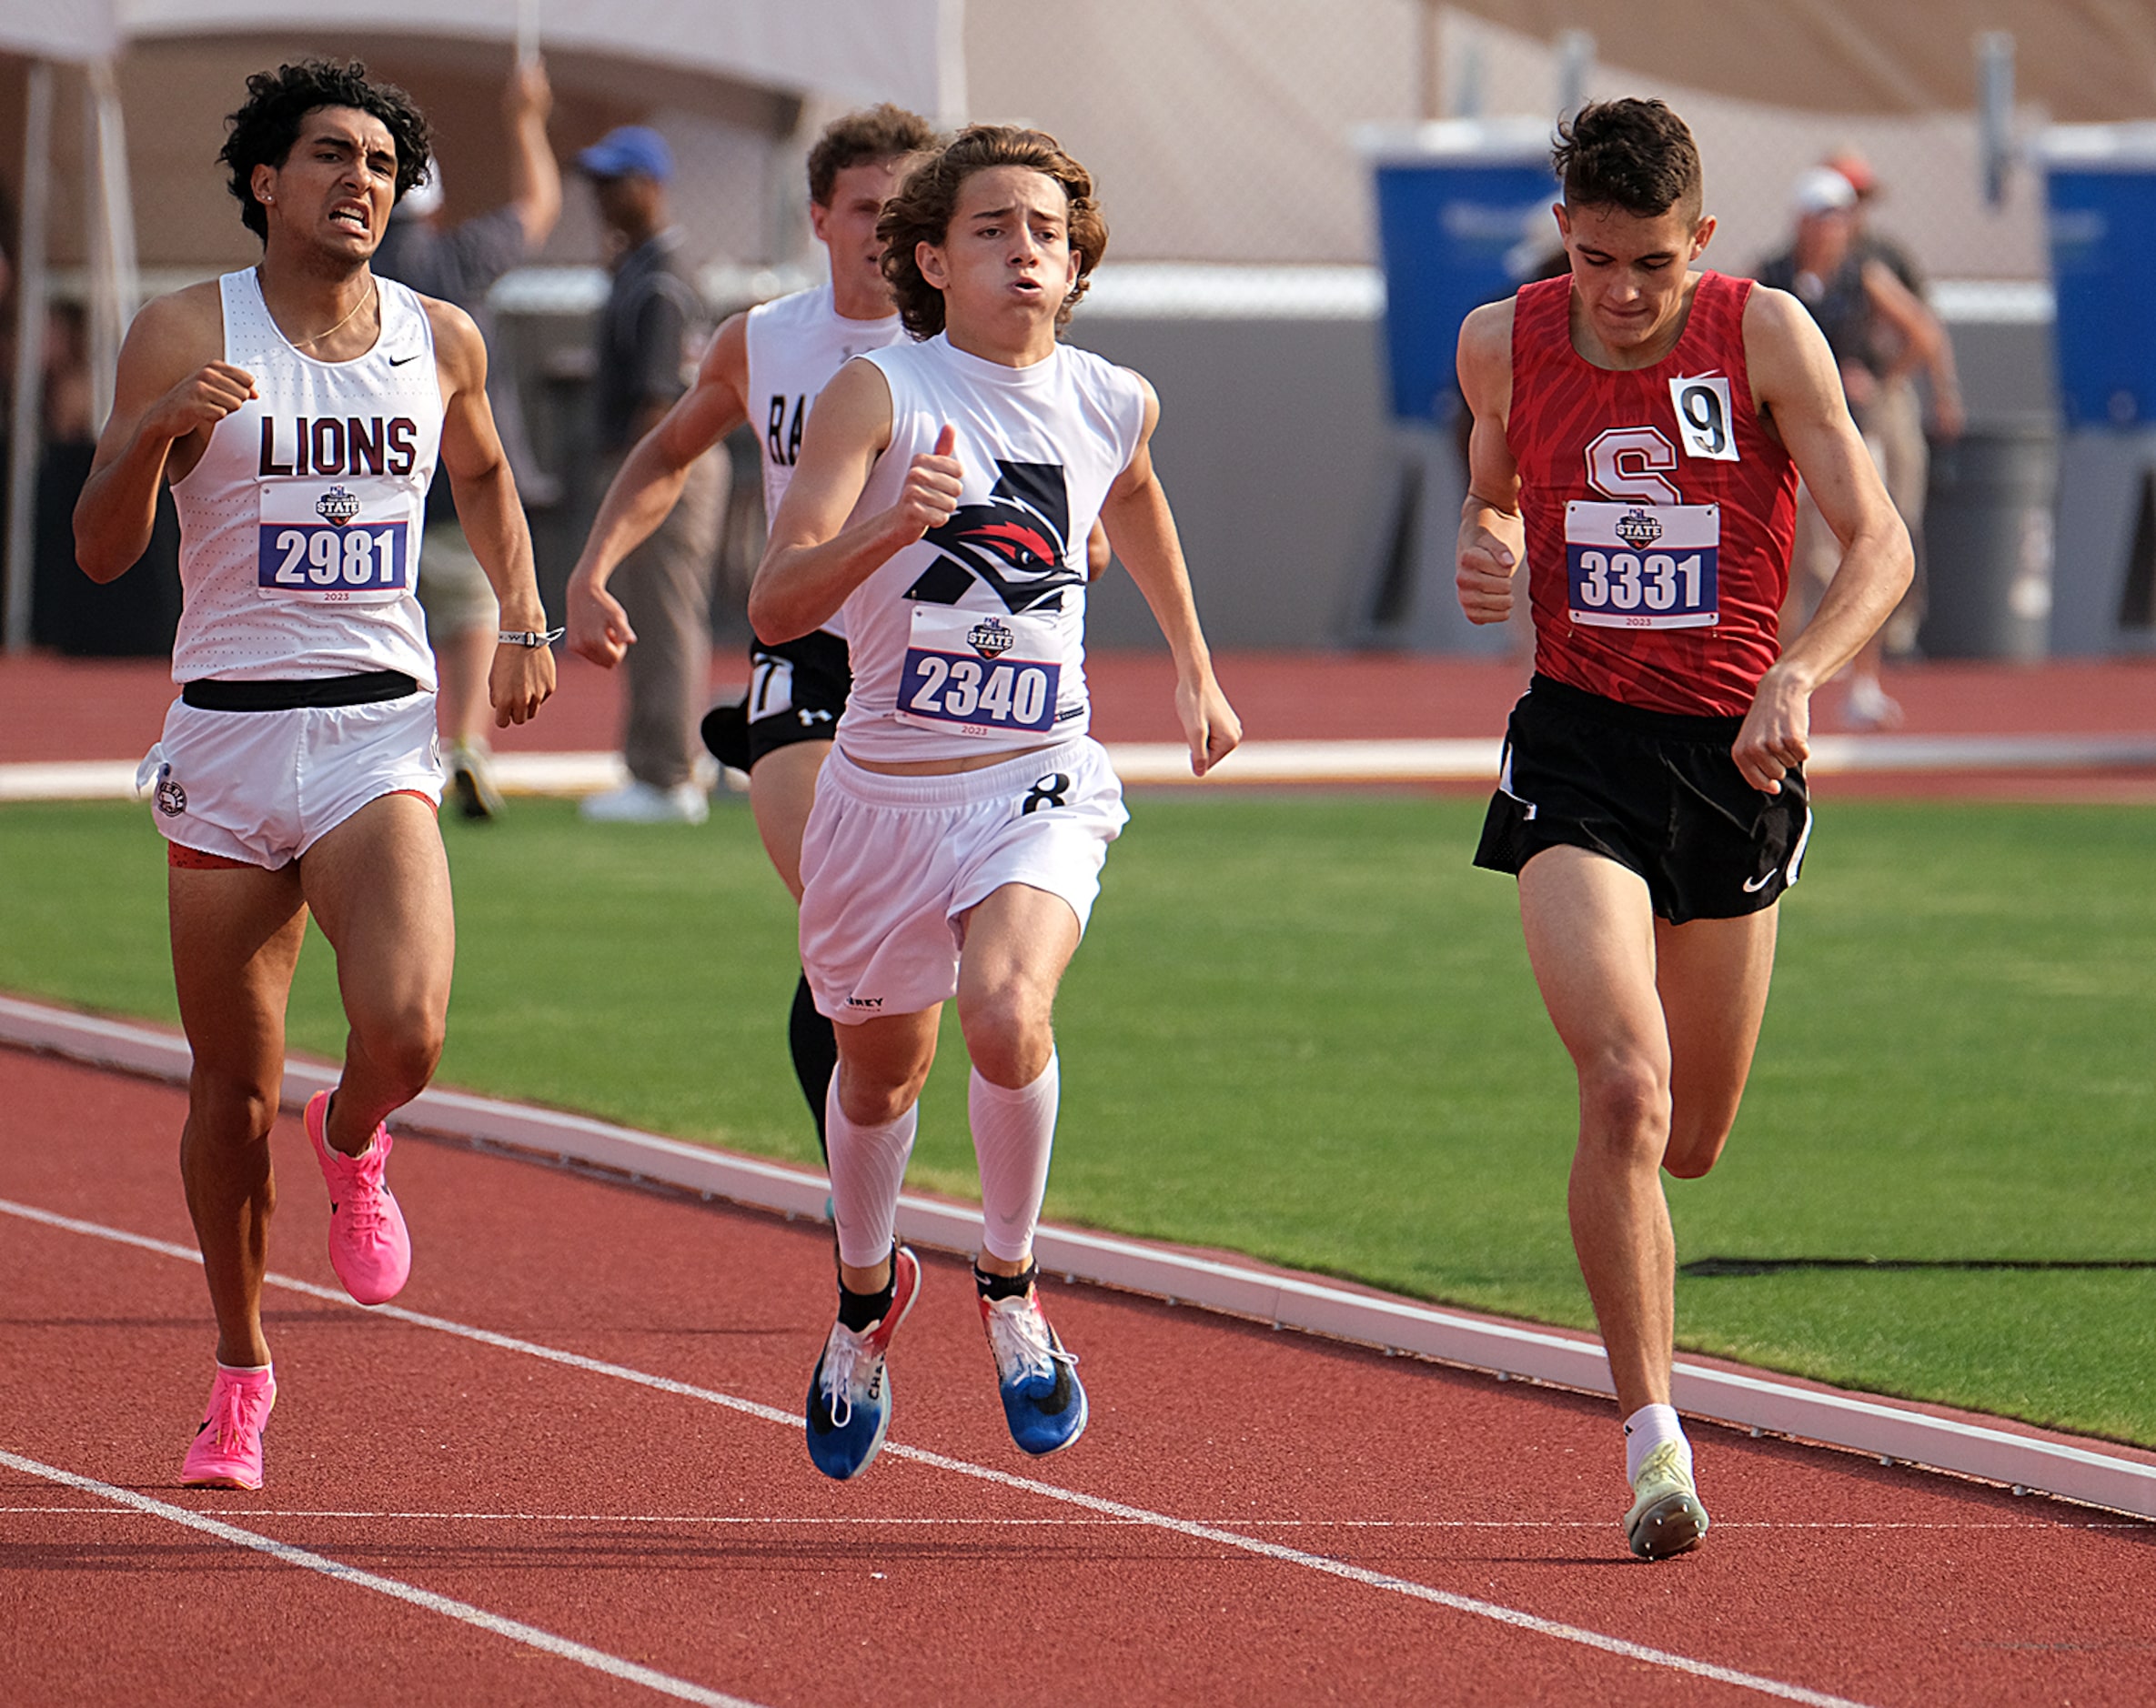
[867, 1167]
[1013, 1132]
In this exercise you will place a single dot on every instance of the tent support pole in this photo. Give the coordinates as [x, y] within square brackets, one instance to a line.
[25, 428]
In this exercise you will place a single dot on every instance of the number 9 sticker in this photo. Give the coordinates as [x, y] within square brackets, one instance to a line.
[1704, 421]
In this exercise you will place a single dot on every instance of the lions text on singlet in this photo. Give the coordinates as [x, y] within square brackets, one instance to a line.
[1659, 513]
[299, 529]
[795, 345]
[972, 639]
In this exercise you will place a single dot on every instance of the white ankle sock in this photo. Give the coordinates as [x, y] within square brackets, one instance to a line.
[1013, 1132]
[867, 1165]
[1645, 1430]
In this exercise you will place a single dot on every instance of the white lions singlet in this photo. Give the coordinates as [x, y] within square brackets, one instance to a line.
[299, 529]
[972, 639]
[795, 345]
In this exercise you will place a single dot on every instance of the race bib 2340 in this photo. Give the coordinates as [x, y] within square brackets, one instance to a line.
[978, 674]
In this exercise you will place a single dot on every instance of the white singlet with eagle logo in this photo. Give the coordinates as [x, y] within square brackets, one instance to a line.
[299, 529]
[972, 639]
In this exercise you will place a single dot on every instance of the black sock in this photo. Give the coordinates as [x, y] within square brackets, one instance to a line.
[993, 1287]
[864, 1310]
[815, 1047]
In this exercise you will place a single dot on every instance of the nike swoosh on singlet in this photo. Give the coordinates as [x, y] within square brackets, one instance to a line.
[1752, 886]
[398, 361]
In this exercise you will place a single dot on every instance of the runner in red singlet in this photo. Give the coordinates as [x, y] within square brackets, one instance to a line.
[1638, 430]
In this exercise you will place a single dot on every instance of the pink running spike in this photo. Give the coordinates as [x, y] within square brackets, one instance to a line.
[368, 1247]
[227, 1451]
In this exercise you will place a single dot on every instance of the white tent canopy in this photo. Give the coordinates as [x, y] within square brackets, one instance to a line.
[74, 30]
[873, 50]
[906, 51]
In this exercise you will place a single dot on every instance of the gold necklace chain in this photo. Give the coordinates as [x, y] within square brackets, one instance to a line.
[340, 326]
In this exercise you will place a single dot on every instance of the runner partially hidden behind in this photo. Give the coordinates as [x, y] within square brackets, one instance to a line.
[1638, 430]
[943, 496]
[770, 364]
[298, 408]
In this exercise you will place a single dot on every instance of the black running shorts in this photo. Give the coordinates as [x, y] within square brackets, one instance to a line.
[1655, 791]
[796, 691]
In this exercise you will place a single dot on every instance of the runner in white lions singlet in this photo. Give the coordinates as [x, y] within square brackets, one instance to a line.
[974, 639]
[300, 527]
[297, 410]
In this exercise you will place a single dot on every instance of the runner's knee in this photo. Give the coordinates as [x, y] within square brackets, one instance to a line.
[1008, 1031]
[877, 1099]
[231, 1110]
[1624, 1107]
[404, 1044]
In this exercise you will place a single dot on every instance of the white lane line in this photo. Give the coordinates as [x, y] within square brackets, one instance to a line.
[783, 1522]
[1186, 1527]
[464, 1612]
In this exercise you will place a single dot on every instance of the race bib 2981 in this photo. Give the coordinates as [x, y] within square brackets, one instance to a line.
[333, 542]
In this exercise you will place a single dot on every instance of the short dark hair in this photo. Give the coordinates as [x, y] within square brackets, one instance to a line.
[874, 133]
[921, 213]
[1634, 155]
[268, 123]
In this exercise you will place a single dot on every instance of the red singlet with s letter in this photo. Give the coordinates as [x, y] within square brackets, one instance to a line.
[1659, 512]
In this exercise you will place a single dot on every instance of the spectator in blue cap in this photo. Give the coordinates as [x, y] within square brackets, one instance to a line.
[650, 332]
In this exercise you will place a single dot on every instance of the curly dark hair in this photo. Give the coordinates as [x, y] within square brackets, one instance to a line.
[1634, 155]
[921, 213]
[268, 123]
[876, 132]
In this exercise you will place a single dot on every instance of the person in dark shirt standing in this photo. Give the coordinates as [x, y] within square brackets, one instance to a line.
[1898, 425]
[458, 263]
[1866, 312]
[650, 332]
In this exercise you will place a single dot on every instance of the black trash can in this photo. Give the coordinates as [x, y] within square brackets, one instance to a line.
[1987, 543]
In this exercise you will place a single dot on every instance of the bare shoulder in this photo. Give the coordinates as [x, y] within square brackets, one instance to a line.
[727, 360]
[181, 331]
[1485, 359]
[457, 335]
[1485, 335]
[1784, 347]
[1770, 314]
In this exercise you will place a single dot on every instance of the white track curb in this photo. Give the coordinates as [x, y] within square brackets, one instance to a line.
[1553, 1355]
[1448, 760]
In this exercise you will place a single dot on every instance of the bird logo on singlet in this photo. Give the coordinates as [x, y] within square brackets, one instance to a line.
[1018, 543]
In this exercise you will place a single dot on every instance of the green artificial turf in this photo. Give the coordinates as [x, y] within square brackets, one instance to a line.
[1302, 1027]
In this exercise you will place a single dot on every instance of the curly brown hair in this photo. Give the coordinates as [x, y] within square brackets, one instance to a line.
[921, 213]
[266, 125]
[1634, 155]
[874, 133]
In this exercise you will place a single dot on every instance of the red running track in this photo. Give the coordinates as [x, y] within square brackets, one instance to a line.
[1254, 1517]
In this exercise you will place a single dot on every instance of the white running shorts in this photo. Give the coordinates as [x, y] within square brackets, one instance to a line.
[890, 863]
[263, 787]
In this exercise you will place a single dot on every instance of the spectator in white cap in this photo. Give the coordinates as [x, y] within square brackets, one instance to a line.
[1860, 305]
[650, 332]
[1898, 415]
